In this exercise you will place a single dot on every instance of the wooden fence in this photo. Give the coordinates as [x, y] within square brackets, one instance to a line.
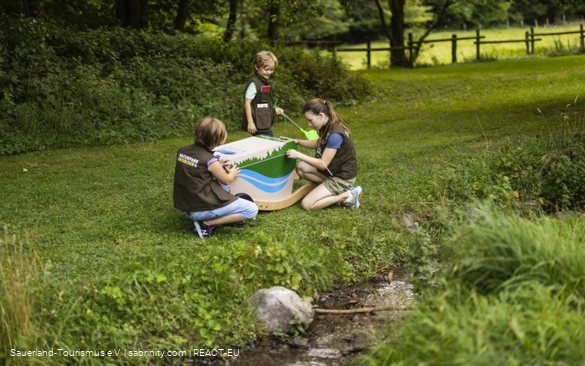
[530, 38]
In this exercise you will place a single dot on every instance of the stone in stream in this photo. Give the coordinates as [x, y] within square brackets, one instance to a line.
[277, 306]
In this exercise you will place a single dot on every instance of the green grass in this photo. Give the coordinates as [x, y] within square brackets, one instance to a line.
[123, 269]
[511, 293]
[440, 52]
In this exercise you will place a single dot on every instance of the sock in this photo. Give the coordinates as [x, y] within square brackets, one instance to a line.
[349, 196]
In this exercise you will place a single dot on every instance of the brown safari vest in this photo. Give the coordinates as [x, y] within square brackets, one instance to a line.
[344, 163]
[195, 188]
[262, 109]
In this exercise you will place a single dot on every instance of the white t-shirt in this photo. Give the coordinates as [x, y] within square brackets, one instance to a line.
[251, 91]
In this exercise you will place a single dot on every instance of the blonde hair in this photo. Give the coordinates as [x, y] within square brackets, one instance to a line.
[210, 132]
[263, 57]
[317, 106]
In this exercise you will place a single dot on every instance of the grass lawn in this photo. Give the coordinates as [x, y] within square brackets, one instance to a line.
[122, 267]
[440, 52]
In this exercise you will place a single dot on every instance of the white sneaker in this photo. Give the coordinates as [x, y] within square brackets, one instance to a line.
[356, 195]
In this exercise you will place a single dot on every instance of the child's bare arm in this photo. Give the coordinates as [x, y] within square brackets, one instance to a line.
[248, 112]
[321, 163]
[223, 174]
[311, 144]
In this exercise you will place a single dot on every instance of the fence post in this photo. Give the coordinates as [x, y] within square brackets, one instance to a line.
[477, 54]
[532, 40]
[582, 37]
[390, 53]
[527, 37]
[410, 53]
[454, 48]
[369, 57]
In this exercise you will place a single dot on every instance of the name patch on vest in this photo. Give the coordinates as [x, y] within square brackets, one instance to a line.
[185, 159]
[262, 105]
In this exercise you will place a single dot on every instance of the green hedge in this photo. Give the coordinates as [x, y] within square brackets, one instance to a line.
[66, 88]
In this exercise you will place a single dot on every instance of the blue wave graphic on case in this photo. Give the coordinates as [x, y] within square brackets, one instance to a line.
[264, 183]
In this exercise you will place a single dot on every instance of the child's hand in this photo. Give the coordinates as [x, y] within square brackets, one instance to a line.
[279, 111]
[292, 153]
[289, 139]
[225, 163]
[234, 171]
[251, 128]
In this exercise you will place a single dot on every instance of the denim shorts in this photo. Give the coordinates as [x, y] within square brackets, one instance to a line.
[244, 208]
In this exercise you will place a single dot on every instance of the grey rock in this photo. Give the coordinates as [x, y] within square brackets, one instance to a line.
[277, 306]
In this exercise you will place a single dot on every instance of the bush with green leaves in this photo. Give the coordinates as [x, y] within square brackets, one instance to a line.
[474, 179]
[546, 171]
[549, 170]
[62, 87]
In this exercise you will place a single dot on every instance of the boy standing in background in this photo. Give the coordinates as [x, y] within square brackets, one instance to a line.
[259, 111]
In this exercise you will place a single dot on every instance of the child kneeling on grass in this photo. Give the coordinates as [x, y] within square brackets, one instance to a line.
[334, 166]
[201, 180]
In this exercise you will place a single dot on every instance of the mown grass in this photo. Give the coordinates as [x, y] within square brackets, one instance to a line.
[440, 52]
[122, 268]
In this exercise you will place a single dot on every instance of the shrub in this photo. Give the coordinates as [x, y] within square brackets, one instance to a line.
[474, 180]
[63, 87]
[548, 169]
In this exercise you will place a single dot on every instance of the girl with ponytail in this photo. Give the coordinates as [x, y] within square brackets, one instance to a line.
[334, 166]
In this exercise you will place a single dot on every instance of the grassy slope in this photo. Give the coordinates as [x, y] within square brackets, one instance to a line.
[440, 52]
[94, 213]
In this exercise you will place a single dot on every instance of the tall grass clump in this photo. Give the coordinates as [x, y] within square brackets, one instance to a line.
[504, 251]
[20, 284]
[527, 326]
[511, 292]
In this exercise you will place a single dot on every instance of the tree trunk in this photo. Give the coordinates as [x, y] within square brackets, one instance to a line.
[231, 24]
[397, 56]
[132, 13]
[31, 8]
[273, 20]
[182, 15]
[122, 13]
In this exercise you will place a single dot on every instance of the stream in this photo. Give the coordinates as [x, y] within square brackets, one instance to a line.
[336, 339]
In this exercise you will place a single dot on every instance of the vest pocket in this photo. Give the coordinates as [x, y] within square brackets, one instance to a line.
[263, 118]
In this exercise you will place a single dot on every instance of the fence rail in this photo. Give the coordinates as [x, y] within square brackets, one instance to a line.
[530, 38]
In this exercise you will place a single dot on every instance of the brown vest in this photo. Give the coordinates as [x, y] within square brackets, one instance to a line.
[262, 109]
[195, 188]
[344, 163]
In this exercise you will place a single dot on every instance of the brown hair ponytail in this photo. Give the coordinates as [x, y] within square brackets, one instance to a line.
[317, 106]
